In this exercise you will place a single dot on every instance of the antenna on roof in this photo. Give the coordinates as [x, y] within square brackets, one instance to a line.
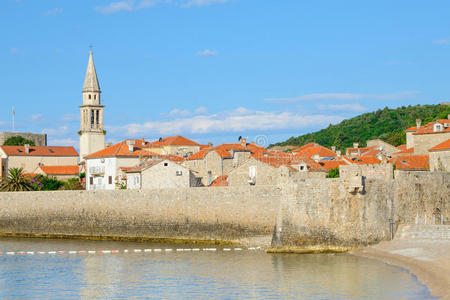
[240, 138]
[160, 139]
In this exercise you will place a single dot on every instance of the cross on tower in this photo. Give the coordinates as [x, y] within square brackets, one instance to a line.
[91, 46]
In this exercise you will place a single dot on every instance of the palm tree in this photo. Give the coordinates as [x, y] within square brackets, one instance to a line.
[15, 181]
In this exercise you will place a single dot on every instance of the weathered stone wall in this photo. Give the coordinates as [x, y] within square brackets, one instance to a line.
[440, 161]
[38, 139]
[305, 212]
[319, 212]
[422, 197]
[375, 171]
[222, 213]
[423, 142]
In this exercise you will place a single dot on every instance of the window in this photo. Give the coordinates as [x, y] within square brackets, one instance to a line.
[97, 114]
[92, 118]
[95, 97]
[91, 180]
[51, 151]
[252, 171]
[166, 164]
[179, 173]
[109, 179]
[302, 168]
[89, 96]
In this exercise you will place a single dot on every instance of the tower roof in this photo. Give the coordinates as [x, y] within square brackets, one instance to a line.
[91, 81]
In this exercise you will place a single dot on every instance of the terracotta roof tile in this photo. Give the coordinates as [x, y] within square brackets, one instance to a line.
[331, 164]
[412, 162]
[406, 151]
[402, 147]
[177, 140]
[311, 149]
[222, 180]
[39, 151]
[429, 128]
[362, 160]
[60, 170]
[121, 150]
[442, 146]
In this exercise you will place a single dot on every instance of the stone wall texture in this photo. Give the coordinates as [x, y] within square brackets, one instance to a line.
[300, 213]
[38, 139]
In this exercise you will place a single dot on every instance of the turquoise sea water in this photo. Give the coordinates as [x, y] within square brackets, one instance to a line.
[200, 274]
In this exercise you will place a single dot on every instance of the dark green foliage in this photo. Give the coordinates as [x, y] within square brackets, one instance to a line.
[45, 183]
[18, 141]
[333, 173]
[72, 184]
[385, 124]
[82, 174]
[15, 181]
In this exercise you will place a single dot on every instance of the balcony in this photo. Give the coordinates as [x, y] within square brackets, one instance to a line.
[96, 170]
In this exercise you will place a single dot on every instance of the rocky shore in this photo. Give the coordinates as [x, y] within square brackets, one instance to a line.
[429, 260]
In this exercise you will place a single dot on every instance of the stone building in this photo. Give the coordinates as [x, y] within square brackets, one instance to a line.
[160, 174]
[211, 162]
[38, 139]
[175, 145]
[314, 151]
[440, 157]
[92, 133]
[59, 172]
[422, 138]
[31, 157]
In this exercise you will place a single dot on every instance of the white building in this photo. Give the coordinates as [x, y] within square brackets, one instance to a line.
[159, 174]
[103, 167]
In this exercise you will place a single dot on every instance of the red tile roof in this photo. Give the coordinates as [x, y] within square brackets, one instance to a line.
[311, 164]
[412, 162]
[222, 180]
[177, 140]
[39, 151]
[362, 160]
[402, 147]
[121, 150]
[429, 128]
[442, 146]
[311, 149]
[406, 151]
[60, 170]
[331, 164]
[225, 150]
[172, 157]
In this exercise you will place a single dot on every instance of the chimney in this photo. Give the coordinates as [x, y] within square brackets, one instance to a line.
[27, 148]
[109, 144]
[448, 116]
[130, 144]
[333, 148]
[338, 153]
[418, 122]
[210, 145]
[355, 145]
[243, 142]
[316, 145]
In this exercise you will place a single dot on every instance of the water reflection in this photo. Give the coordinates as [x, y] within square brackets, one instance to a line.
[194, 274]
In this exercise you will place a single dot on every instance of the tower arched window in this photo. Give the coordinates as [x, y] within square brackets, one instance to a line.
[95, 97]
[89, 96]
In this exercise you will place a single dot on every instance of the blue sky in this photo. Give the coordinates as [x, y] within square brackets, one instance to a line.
[214, 70]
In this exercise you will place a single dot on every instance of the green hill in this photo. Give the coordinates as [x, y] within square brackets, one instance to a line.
[385, 124]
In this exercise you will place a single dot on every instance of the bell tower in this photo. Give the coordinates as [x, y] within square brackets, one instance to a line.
[92, 134]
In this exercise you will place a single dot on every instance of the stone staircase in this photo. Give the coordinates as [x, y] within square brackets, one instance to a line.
[423, 232]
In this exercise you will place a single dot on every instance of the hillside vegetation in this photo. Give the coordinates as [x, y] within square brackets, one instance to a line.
[385, 124]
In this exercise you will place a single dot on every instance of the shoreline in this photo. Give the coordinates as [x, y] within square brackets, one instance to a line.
[429, 261]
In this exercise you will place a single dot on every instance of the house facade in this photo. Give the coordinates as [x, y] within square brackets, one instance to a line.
[440, 157]
[29, 158]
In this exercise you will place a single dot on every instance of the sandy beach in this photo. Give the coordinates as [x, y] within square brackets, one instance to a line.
[429, 260]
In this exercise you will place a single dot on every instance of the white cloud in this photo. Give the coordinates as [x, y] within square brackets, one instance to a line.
[178, 113]
[126, 5]
[237, 120]
[53, 12]
[347, 107]
[346, 96]
[201, 110]
[59, 131]
[192, 3]
[442, 41]
[37, 117]
[207, 52]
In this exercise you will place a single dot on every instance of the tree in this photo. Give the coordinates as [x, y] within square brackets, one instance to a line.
[333, 173]
[45, 183]
[18, 141]
[15, 181]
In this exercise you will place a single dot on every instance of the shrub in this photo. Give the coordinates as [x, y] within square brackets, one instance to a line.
[333, 173]
[18, 141]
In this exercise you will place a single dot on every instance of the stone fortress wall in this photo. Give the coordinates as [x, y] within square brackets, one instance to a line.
[305, 213]
[38, 139]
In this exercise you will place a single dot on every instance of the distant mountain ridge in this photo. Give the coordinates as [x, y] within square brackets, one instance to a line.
[385, 124]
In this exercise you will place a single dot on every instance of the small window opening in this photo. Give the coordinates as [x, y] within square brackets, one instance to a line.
[89, 96]
[109, 179]
[95, 97]
[166, 164]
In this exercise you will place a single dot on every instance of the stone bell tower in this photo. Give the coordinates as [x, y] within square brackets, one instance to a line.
[92, 134]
